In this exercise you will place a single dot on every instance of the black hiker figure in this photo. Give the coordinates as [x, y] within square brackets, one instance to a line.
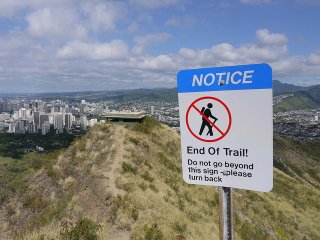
[207, 113]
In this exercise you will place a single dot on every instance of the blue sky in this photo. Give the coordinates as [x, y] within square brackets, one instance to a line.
[75, 45]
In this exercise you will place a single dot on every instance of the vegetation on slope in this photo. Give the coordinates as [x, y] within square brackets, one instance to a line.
[298, 159]
[299, 100]
[125, 183]
[16, 145]
[281, 88]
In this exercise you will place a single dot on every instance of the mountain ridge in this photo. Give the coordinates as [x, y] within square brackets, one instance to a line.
[129, 181]
[278, 88]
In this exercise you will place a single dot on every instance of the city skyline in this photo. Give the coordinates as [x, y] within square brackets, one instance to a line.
[70, 46]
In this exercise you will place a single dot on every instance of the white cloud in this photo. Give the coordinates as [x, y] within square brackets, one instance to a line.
[13, 44]
[103, 16]
[55, 22]
[161, 62]
[142, 42]
[115, 50]
[90, 64]
[314, 59]
[270, 47]
[265, 37]
[9, 7]
[72, 21]
[151, 38]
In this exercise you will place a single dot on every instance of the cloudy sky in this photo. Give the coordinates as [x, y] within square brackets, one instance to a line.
[75, 45]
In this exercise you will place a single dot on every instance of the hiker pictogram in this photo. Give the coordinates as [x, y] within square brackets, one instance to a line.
[212, 122]
[207, 114]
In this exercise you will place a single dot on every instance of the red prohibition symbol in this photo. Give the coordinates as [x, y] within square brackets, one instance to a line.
[222, 133]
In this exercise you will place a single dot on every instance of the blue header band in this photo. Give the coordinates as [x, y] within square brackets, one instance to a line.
[244, 77]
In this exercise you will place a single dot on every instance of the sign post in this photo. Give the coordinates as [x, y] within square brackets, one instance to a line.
[226, 125]
[225, 213]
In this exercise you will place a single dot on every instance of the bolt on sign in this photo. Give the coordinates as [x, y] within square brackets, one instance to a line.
[226, 124]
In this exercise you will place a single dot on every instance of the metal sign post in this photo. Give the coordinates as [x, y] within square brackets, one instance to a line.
[225, 213]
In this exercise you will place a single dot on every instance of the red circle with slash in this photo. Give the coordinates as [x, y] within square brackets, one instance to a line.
[222, 133]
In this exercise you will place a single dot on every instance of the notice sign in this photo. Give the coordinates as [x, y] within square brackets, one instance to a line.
[226, 124]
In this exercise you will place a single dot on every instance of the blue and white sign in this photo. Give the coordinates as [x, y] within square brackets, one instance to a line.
[226, 124]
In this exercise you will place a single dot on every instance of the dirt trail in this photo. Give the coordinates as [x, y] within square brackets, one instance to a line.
[115, 160]
[97, 190]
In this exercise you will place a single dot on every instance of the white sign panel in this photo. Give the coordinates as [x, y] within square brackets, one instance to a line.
[226, 124]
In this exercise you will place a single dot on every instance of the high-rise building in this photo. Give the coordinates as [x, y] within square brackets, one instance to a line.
[22, 113]
[316, 118]
[21, 126]
[4, 106]
[152, 110]
[68, 119]
[45, 128]
[15, 115]
[33, 128]
[58, 122]
[54, 109]
[82, 108]
[43, 118]
[84, 121]
[12, 127]
[29, 113]
[36, 118]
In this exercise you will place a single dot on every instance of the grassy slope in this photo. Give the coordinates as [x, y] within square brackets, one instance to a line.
[300, 159]
[299, 100]
[129, 181]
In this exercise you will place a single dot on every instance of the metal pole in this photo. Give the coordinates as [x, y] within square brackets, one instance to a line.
[226, 211]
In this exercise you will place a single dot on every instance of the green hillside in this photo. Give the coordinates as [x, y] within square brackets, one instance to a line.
[280, 88]
[314, 93]
[299, 100]
[124, 183]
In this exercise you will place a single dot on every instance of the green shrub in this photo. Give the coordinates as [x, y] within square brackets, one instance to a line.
[134, 140]
[146, 125]
[168, 163]
[180, 228]
[128, 168]
[181, 204]
[153, 188]
[143, 186]
[83, 229]
[172, 147]
[153, 233]
[135, 214]
[172, 182]
[281, 232]
[42, 237]
[146, 176]
[249, 231]
[35, 202]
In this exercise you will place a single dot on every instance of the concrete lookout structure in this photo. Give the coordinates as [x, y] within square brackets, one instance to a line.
[124, 116]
